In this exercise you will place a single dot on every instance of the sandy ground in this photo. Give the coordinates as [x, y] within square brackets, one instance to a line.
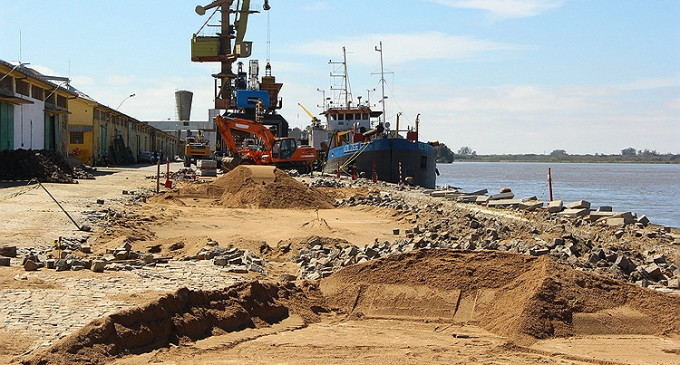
[29, 218]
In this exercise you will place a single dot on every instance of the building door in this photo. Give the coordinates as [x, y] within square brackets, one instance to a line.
[6, 126]
[102, 141]
[51, 130]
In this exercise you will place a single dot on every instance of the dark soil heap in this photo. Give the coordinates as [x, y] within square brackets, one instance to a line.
[513, 295]
[46, 166]
[177, 318]
[237, 189]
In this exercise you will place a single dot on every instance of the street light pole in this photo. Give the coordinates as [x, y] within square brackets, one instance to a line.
[121, 103]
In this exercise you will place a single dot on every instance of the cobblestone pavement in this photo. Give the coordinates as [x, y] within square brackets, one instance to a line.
[51, 314]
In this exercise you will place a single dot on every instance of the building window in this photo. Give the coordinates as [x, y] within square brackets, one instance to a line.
[7, 84]
[96, 114]
[37, 92]
[77, 138]
[23, 87]
[61, 101]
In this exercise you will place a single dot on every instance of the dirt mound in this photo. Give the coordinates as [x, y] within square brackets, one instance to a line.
[519, 296]
[240, 189]
[178, 318]
[46, 166]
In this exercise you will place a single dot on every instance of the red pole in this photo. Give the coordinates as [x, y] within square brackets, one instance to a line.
[375, 174]
[550, 184]
[337, 171]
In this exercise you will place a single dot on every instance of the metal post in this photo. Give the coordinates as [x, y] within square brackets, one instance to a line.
[158, 177]
[550, 184]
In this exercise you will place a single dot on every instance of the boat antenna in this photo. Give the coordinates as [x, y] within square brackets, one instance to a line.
[382, 81]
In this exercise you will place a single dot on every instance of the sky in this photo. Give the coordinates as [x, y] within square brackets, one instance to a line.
[498, 76]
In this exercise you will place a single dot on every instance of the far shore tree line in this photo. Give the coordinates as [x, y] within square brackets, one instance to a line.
[627, 155]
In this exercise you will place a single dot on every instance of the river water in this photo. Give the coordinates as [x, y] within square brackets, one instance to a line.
[649, 189]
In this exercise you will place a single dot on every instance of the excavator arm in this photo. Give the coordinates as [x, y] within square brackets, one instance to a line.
[225, 125]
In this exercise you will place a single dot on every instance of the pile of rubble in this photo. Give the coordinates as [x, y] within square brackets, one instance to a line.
[601, 253]
[43, 165]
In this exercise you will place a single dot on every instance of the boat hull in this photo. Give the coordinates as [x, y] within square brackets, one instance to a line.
[417, 160]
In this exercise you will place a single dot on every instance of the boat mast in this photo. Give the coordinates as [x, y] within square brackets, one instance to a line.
[382, 82]
[345, 87]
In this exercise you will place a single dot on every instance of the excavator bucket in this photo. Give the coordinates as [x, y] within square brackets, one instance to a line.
[261, 174]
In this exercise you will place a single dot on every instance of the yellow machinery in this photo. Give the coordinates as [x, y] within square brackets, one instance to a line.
[196, 147]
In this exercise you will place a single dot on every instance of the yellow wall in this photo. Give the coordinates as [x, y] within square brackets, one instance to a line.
[82, 115]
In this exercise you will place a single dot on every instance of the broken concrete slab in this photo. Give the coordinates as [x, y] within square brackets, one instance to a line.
[599, 214]
[530, 204]
[578, 205]
[482, 199]
[467, 198]
[574, 212]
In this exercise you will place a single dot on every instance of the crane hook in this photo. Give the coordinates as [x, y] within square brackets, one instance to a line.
[266, 5]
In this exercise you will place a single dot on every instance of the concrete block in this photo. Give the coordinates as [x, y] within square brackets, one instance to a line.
[617, 221]
[599, 214]
[653, 271]
[4, 261]
[555, 206]
[221, 261]
[482, 199]
[643, 220]
[674, 283]
[31, 266]
[206, 172]
[605, 208]
[8, 251]
[535, 251]
[578, 204]
[98, 265]
[206, 164]
[574, 212]
[625, 263]
[504, 203]
[467, 198]
[508, 195]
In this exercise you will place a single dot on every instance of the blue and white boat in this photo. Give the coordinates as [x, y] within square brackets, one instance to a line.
[356, 142]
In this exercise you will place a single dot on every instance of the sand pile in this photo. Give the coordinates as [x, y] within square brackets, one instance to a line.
[240, 188]
[178, 318]
[519, 296]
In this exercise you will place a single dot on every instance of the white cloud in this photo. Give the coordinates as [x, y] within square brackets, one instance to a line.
[430, 45]
[506, 8]
[651, 83]
[119, 80]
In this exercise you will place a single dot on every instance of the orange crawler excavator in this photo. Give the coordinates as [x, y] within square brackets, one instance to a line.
[284, 153]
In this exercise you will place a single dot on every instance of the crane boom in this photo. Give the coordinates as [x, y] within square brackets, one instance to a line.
[315, 120]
